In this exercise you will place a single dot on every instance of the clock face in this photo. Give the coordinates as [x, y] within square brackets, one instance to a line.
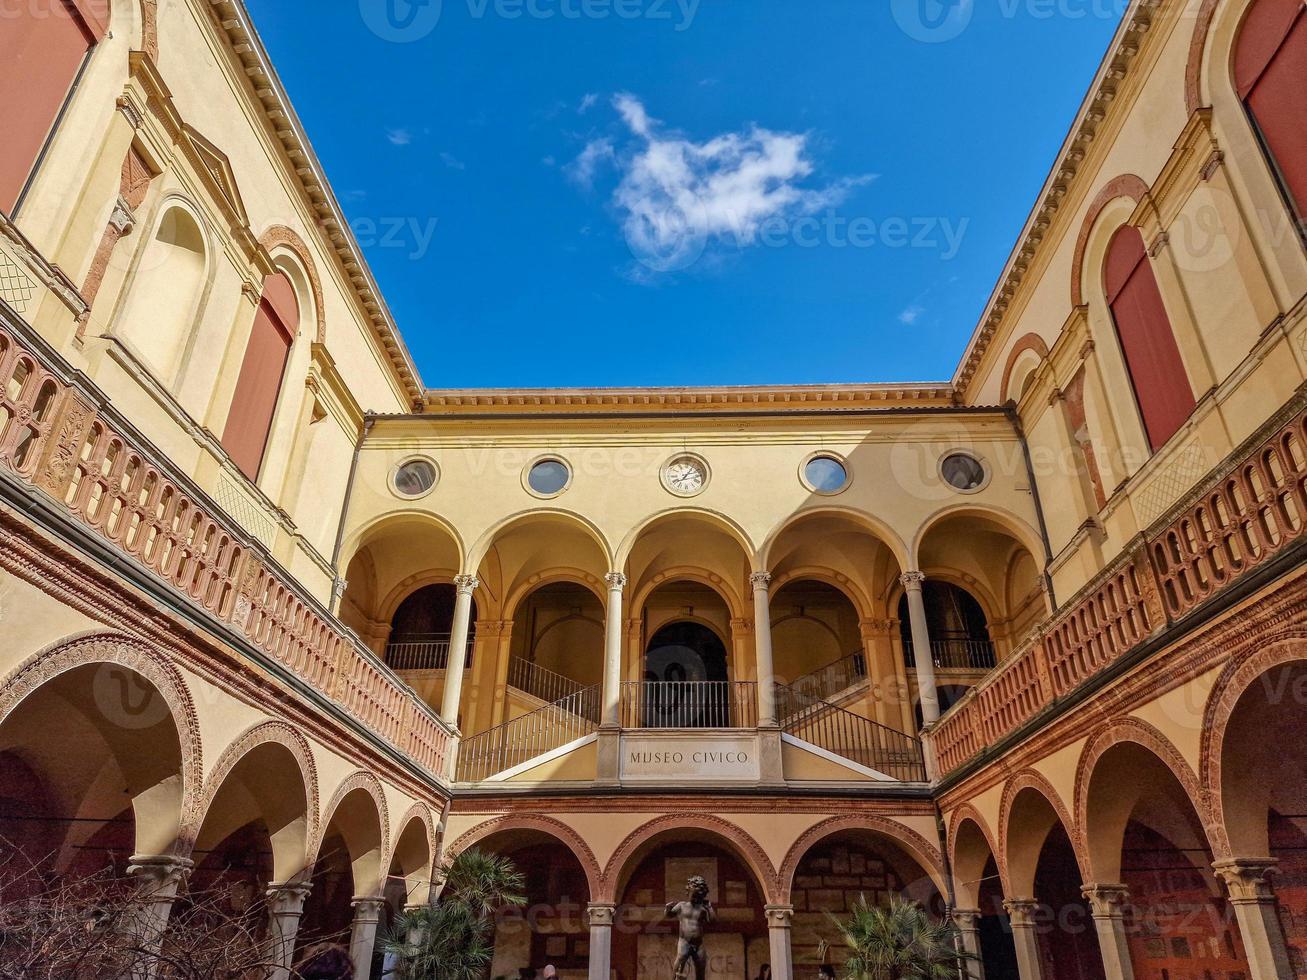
[685, 476]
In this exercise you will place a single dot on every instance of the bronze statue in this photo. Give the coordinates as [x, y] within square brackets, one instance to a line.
[693, 916]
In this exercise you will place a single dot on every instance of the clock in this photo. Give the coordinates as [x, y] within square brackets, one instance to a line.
[685, 475]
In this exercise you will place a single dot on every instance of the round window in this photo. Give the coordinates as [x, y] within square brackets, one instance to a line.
[962, 471]
[415, 477]
[826, 474]
[548, 477]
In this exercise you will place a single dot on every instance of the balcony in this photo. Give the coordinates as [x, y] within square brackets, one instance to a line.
[422, 651]
[1247, 514]
[955, 653]
[689, 704]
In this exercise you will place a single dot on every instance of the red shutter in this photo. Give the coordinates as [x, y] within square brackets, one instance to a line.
[1270, 72]
[42, 46]
[1152, 357]
[250, 420]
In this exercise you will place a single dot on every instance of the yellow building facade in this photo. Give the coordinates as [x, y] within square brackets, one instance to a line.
[1026, 646]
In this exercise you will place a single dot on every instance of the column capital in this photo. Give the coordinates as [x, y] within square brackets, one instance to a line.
[466, 584]
[877, 627]
[779, 916]
[761, 581]
[616, 581]
[1021, 911]
[1106, 901]
[966, 919]
[912, 581]
[1248, 879]
[160, 874]
[368, 908]
[288, 897]
[600, 915]
[741, 625]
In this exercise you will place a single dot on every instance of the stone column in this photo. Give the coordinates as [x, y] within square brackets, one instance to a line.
[1021, 912]
[779, 920]
[464, 586]
[363, 934]
[761, 582]
[160, 877]
[968, 923]
[1107, 904]
[1257, 912]
[923, 654]
[613, 651]
[285, 908]
[601, 940]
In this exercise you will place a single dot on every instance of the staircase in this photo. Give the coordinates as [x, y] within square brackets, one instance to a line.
[547, 728]
[861, 740]
[835, 678]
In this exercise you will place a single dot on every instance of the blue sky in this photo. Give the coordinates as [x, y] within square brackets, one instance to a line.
[680, 192]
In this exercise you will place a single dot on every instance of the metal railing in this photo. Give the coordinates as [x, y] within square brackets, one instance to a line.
[522, 739]
[858, 739]
[834, 677]
[422, 651]
[689, 704]
[540, 682]
[956, 654]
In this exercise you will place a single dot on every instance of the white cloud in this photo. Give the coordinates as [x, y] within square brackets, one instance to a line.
[582, 169]
[676, 195]
[588, 102]
[911, 315]
[399, 137]
[452, 162]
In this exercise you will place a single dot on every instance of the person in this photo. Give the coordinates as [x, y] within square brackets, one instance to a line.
[764, 972]
[550, 972]
[693, 917]
[326, 961]
[827, 972]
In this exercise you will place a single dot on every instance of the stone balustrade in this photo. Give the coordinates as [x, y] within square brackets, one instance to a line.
[1244, 514]
[57, 436]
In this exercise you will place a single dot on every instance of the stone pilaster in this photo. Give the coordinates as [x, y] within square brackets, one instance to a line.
[159, 878]
[968, 925]
[780, 919]
[363, 933]
[600, 918]
[1021, 912]
[285, 909]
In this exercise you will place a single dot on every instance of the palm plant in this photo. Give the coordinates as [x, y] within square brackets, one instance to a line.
[454, 939]
[899, 942]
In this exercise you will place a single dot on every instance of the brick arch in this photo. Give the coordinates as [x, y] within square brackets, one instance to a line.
[263, 733]
[1030, 779]
[960, 816]
[544, 825]
[150, 28]
[1239, 675]
[1193, 74]
[136, 656]
[1126, 185]
[418, 811]
[918, 848]
[280, 235]
[1133, 730]
[357, 780]
[737, 840]
[1031, 341]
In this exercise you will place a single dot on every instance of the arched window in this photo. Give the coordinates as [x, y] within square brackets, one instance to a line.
[259, 384]
[1270, 73]
[42, 49]
[1152, 357]
[166, 292]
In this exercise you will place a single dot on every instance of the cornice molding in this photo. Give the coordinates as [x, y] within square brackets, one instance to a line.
[760, 397]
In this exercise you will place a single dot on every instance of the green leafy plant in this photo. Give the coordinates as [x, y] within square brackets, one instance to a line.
[454, 938]
[899, 942]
